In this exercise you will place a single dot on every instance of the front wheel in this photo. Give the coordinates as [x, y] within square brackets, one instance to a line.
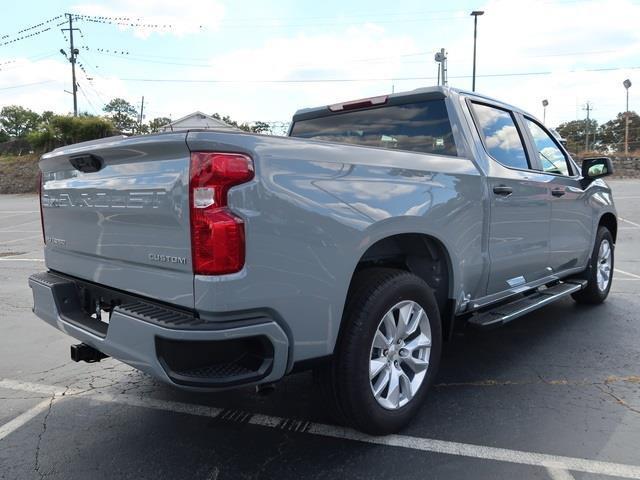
[600, 271]
[388, 352]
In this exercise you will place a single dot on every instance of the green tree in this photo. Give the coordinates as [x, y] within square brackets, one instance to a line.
[157, 123]
[123, 115]
[575, 131]
[65, 130]
[255, 127]
[46, 117]
[261, 127]
[611, 133]
[18, 121]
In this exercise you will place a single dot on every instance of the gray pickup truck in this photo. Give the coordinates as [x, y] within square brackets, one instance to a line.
[216, 259]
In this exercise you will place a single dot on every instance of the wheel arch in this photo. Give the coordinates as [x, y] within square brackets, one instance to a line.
[421, 254]
[609, 220]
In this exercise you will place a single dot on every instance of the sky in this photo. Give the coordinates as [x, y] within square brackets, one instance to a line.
[261, 61]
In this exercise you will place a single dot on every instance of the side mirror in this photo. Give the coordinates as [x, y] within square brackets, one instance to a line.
[593, 168]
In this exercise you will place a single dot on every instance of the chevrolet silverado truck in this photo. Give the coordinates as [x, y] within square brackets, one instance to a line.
[354, 246]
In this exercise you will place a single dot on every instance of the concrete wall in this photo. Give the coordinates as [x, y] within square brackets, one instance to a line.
[626, 167]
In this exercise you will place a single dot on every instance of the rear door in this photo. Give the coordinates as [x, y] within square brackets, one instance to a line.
[519, 206]
[571, 216]
[116, 212]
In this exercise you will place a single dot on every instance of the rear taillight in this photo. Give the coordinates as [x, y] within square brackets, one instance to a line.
[44, 238]
[217, 235]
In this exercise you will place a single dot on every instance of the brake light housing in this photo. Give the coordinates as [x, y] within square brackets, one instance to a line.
[356, 104]
[217, 234]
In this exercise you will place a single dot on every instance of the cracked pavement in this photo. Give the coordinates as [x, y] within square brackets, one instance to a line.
[564, 380]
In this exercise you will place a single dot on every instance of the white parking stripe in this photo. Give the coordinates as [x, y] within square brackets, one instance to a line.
[633, 275]
[559, 474]
[630, 222]
[401, 441]
[6, 242]
[13, 213]
[4, 229]
[9, 259]
[23, 418]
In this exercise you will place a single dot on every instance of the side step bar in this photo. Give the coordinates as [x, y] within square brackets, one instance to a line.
[544, 296]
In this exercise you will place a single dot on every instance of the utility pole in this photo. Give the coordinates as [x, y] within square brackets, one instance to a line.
[141, 115]
[588, 108]
[475, 14]
[627, 84]
[72, 59]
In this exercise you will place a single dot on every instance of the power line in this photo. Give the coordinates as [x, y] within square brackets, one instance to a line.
[32, 27]
[28, 84]
[87, 98]
[380, 79]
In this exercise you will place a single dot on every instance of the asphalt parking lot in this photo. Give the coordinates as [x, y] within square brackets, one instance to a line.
[554, 395]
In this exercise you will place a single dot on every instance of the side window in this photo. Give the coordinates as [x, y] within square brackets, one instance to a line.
[501, 136]
[553, 160]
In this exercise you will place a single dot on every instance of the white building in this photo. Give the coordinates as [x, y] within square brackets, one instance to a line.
[196, 120]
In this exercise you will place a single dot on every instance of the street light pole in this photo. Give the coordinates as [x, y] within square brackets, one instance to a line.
[475, 14]
[627, 84]
[545, 104]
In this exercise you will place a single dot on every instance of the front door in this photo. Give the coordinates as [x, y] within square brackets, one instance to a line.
[520, 210]
[571, 215]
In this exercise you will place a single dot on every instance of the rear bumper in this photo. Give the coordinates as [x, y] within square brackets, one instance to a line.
[172, 345]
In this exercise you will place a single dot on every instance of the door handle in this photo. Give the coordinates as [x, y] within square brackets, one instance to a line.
[502, 190]
[558, 192]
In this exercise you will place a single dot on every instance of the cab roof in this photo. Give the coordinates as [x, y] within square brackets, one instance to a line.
[419, 94]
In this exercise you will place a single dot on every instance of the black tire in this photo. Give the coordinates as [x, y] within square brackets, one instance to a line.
[592, 294]
[373, 293]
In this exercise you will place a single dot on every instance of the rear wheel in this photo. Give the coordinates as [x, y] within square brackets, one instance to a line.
[600, 271]
[388, 351]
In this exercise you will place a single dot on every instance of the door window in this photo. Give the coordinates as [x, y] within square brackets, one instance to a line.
[501, 136]
[553, 160]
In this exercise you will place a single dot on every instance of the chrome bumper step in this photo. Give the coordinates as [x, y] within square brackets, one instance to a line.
[498, 316]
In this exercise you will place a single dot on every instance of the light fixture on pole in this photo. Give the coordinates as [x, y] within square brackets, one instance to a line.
[545, 104]
[475, 14]
[627, 84]
[441, 60]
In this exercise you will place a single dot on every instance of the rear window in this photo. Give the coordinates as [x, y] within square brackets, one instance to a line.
[417, 127]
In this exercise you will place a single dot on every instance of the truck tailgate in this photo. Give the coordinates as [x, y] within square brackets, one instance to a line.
[116, 212]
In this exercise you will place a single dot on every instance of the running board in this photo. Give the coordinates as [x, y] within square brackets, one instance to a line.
[544, 296]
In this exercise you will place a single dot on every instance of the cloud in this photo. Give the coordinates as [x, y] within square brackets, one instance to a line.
[40, 85]
[349, 53]
[185, 17]
[529, 36]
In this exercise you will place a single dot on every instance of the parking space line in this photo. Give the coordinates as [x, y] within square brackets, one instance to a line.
[15, 213]
[9, 259]
[629, 222]
[20, 420]
[6, 242]
[4, 229]
[402, 441]
[632, 275]
[559, 474]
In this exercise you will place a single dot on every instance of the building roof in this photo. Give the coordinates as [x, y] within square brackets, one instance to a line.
[196, 120]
